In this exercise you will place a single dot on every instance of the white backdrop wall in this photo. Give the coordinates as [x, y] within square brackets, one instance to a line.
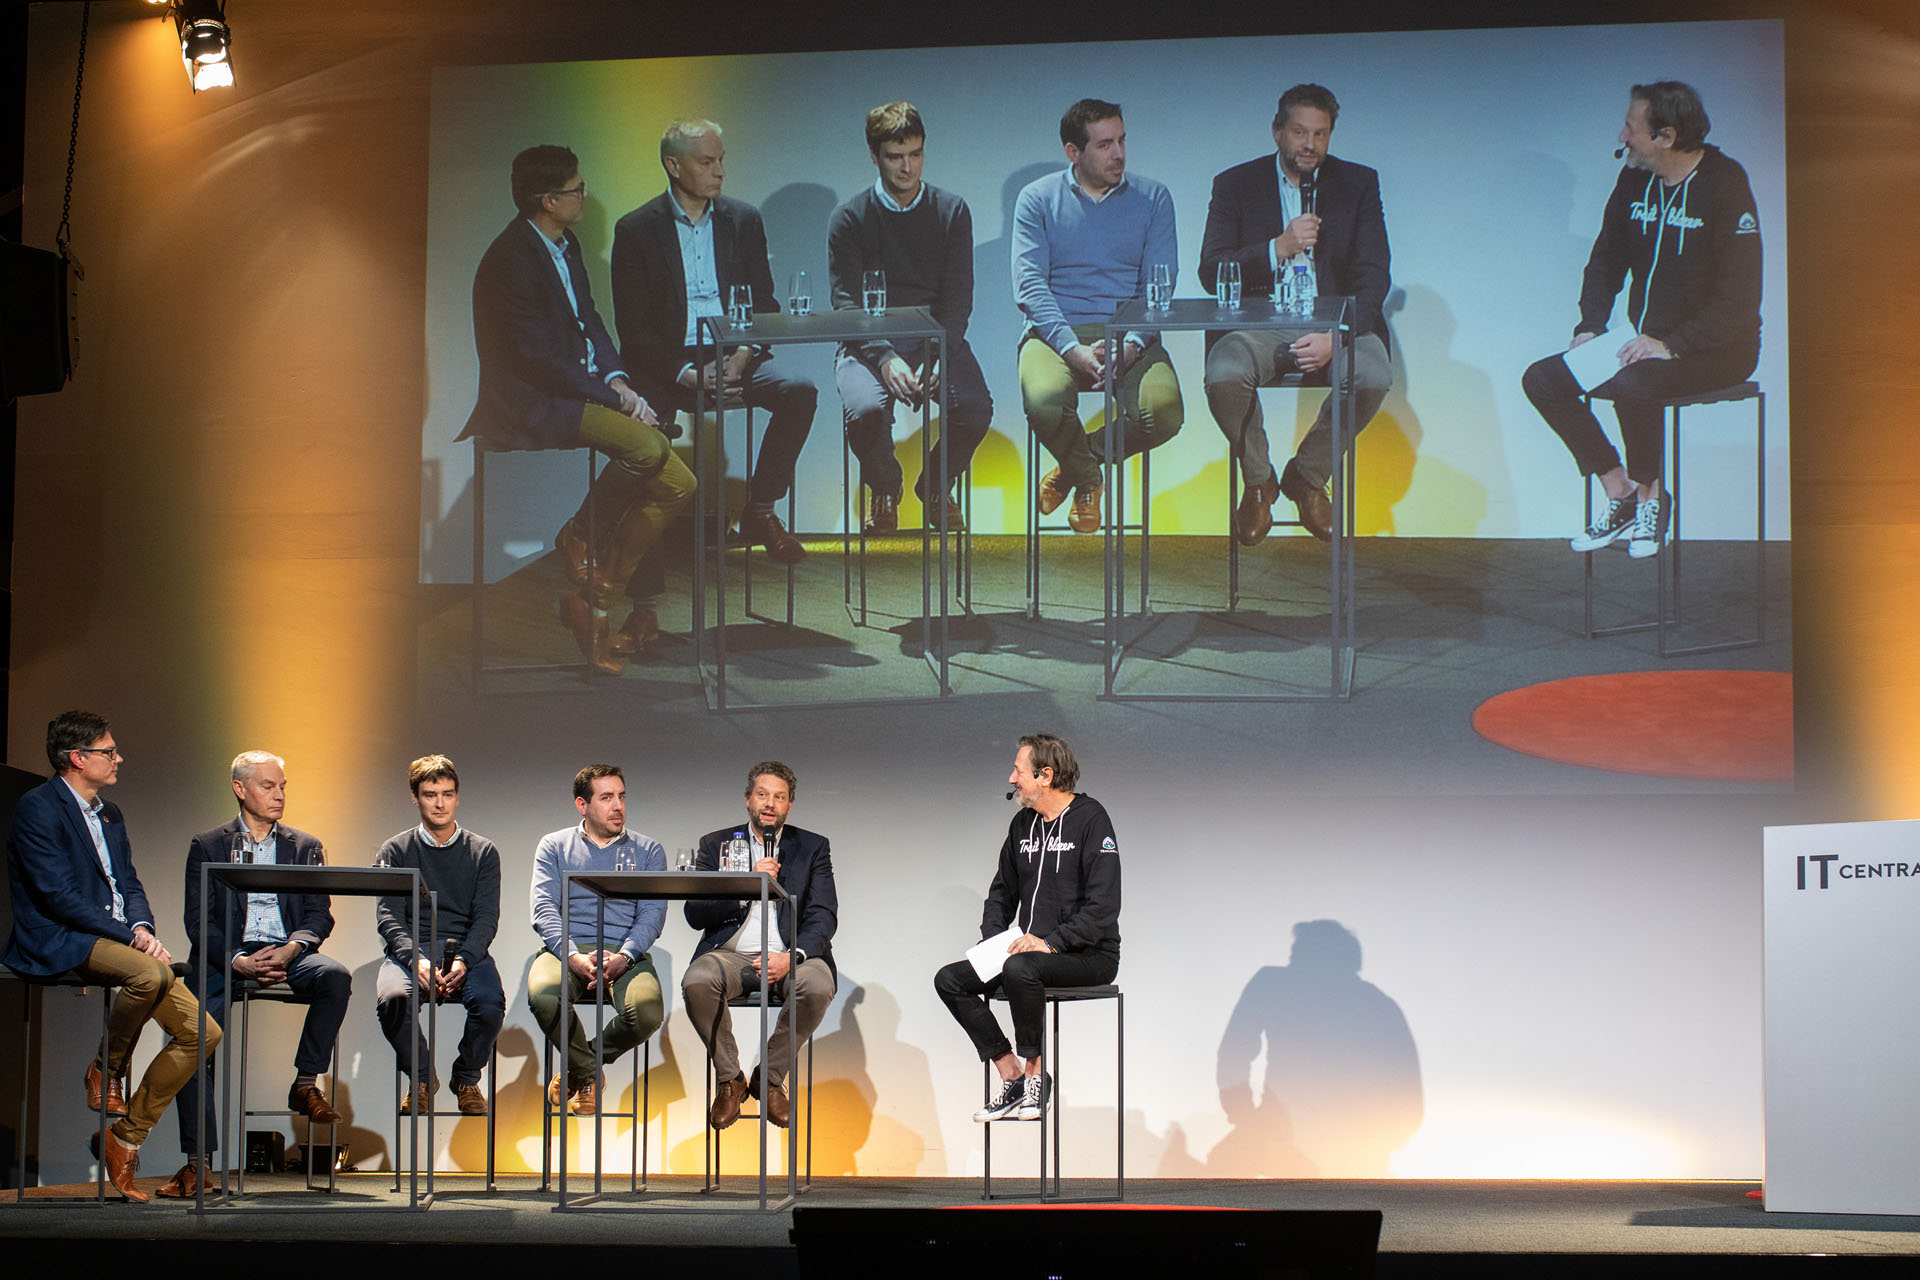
[1494, 153]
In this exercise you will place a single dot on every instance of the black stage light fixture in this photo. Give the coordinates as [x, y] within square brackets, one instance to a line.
[205, 42]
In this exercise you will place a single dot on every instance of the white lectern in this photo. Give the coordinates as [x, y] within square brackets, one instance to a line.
[1842, 996]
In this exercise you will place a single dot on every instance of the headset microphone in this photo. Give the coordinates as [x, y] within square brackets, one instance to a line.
[1009, 795]
[1619, 153]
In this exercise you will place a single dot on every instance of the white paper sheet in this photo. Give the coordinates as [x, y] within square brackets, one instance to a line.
[988, 957]
[1594, 361]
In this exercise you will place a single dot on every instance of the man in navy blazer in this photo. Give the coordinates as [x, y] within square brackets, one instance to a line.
[1260, 217]
[267, 939]
[676, 258]
[799, 941]
[78, 909]
[551, 378]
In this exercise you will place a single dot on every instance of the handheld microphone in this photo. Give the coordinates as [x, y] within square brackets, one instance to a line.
[1306, 190]
[1619, 153]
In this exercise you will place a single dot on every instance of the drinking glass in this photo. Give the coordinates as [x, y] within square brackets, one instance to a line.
[683, 860]
[740, 306]
[1159, 287]
[873, 292]
[799, 295]
[237, 849]
[1227, 286]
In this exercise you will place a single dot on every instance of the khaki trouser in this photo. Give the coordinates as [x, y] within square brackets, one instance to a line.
[715, 978]
[634, 1011]
[147, 990]
[1147, 396]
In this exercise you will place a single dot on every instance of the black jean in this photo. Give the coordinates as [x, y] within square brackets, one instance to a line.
[1025, 980]
[1636, 392]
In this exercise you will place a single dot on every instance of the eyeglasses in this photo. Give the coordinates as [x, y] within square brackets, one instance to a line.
[580, 191]
[101, 751]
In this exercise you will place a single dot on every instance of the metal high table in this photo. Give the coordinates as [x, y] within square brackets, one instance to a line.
[1332, 316]
[242, 878]
[673, 886]
[899, 325]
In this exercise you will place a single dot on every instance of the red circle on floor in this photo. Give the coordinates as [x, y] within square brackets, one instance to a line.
[1730, 726]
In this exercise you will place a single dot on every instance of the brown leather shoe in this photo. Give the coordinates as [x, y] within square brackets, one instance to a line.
[186, 1183]
[779, 1110]
[557, 1093]
[1052, 492]
[726, 1103]
[473, 1100]
[571, 543]
[1254, 518]
[116, 1100]
[590, 633]
[1084, 517]
[307, 1100]
[883, 514]
[586, 1098]
[122, 1162]
[641, 629]
[1316, 512]
[419, 1097]
[956, 521]
[782, 547]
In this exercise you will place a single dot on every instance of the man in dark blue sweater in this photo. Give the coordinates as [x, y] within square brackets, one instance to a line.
[464, 870]
[922, 237]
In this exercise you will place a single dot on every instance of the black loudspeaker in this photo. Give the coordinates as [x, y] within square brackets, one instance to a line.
[35, 356]
[1029, 1241]
[266, 1151]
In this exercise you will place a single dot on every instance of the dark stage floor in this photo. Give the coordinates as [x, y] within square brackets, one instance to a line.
[1420, 1218]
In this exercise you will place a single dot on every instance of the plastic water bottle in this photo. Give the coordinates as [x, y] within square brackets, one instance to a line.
[1303, 290]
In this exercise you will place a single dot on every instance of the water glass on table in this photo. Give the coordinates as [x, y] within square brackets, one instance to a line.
[1159, 287]
[799, 295]
[1226, 290]
[873, 292]
[740, 306]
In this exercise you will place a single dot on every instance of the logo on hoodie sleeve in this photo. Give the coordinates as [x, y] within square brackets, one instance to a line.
[1748, 225]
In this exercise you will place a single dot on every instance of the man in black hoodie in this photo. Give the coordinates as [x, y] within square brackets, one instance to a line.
[1682, 220]
[1059, 879]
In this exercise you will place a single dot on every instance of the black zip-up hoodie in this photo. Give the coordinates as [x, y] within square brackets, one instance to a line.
[1067, 894]
[1694, 251]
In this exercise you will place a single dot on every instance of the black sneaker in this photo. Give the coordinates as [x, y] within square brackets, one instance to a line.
[1610, 525]
[1650, 526]
[1005, 1105]
[1036, 1098]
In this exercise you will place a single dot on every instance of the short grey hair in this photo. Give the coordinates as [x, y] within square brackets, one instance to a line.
[247, 761]
[679, 137]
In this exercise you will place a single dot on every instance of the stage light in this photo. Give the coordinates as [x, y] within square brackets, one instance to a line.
[205, 42]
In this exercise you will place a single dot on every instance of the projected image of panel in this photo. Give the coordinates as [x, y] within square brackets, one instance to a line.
[1454, 193]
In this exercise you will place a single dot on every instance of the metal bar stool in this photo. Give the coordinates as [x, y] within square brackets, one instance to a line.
[636, 1117]
[434, 1113]
[244, 992]
[1050, 1052]
[480, 669]
[853, 518]
[30, 985]
[1348, 461]
[1669, 600]
[1034, 528]
[777, 1000]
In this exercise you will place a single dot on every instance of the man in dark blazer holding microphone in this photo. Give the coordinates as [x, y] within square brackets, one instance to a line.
[677, 258]
[551, 378]
[1266, 214]
[266, 938]
[799, 942]
[79, 910]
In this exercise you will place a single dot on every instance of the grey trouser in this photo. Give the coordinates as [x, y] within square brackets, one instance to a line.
[1247, 359]
[714, 979]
